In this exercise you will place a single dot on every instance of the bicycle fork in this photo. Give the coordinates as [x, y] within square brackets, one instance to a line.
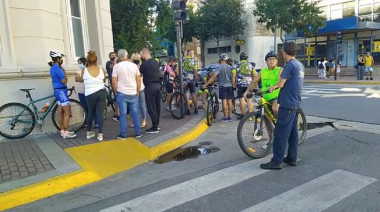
[259, 119]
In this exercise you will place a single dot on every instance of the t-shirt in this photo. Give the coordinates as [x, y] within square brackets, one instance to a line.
[57, 75]
[368, 60]
[290, 94]
[126, 73]
[150, 69]
[224, 72]
[80, 85]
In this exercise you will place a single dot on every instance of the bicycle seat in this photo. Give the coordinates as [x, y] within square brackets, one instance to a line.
[27, 89]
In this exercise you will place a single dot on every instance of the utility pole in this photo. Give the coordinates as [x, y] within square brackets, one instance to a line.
[339, 39]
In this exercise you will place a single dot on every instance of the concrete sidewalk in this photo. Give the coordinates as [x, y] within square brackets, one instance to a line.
[43, 165]
[342, 80]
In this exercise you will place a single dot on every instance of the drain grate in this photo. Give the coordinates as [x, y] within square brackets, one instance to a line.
[205, 143]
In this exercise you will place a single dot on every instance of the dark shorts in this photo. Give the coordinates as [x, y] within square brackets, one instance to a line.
[226, 93]
[191, 87]
[272, 100]
[241, 91]
[169, 87]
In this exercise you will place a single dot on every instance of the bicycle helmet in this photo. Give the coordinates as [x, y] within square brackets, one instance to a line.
[230, 61]
[271, 54]
[56, 53]
[243, 56]
[171, 59]
[223, 56]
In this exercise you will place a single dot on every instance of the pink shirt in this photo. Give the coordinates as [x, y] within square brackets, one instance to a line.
[126, 73]
[80, 85]
[169, 70]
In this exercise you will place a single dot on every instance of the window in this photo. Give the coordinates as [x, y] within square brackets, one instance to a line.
[323, 14]
[348, 9]
[77, 22]
[225, 49]
[365, 10]
[336, 11]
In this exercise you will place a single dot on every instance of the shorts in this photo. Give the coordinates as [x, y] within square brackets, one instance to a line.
[169, 86]
[191, 87]
[241, 91]
[62, 97]
[272, 100]
[368, 69]
[226, 93]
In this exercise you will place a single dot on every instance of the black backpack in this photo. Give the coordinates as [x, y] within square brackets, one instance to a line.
[320, 66]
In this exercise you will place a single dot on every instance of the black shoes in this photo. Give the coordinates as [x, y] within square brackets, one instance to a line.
[277, 166]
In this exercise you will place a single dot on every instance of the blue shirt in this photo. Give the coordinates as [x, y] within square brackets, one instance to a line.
[290, 94]
[57, 75]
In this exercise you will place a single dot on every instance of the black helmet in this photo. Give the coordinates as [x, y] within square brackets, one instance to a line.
[230, 61]
[223, 56]
[171, 58]
[271, 54]
[243, 56]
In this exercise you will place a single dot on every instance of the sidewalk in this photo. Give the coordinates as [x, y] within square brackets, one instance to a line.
[342, 80]
[44, 165]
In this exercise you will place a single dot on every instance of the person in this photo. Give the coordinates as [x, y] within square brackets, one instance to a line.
[360, 67]
[322, 67]
[289, 99]
[245, 73]
[109, 66]
[332, 67]
[136, 59]
[169, 74]
[59, 82]
[126, 82]
[368, 63]
[227, 83]
[203, 92]
[82, 62]
[269, 77]
[190, 75]
[150, 70]
[94, 78]
[230, 62]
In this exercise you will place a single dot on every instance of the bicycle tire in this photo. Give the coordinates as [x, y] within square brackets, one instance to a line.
[164, 95]
[105, 111]
[72, 128]
[216, 106]
[209, 111]
[26, 132]
[302, 138]
[182, 105]
[267, 123]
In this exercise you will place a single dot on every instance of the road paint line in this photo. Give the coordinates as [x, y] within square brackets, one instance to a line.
[351, 89]
[304, 97]
[344, 95]
[375, 95]
[308, 91]
[181, 193]
[316, 195]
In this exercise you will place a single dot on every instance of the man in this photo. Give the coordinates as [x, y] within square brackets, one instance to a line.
[289, 99]
[126, 82]
[227, 81]
[368, 65]
[245, 72]
[190, 71]
[109, 67]
[270, 77]
[150, 70]
[360, 67]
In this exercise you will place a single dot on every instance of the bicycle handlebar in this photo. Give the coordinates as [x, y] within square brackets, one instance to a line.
[71, 90]
[256, 91]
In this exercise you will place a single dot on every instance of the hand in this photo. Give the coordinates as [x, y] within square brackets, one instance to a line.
[204, 86]
[245, 94]
[271, 89]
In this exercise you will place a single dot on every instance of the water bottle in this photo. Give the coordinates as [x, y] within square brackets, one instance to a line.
[46, 107]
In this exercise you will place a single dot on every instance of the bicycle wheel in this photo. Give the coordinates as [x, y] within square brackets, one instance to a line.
[301, 125]
[216, 106]
[210, 111]
[78, 115]
[105, 110]
[265, 148]
[26, 116]
[163, 93]
[178, 102]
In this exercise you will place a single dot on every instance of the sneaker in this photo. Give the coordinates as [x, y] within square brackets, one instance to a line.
[121, 137]
[69, 135]
[290, 162]
[229, 119]
[224, 120]
[188, 112]
[90, 135]
[100, 137]
[271, 165]
[139, 136]
[152, 130]
[371, 78]
[115, 117]
[196, 111]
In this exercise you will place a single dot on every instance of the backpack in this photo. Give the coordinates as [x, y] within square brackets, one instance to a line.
[320, 66]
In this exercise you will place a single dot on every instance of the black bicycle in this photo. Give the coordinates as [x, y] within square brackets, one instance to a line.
[109, 101]
[212, 108]
[164, 94]
[178, 100]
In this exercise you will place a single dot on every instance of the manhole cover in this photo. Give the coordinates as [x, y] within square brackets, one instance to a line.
[205, 143]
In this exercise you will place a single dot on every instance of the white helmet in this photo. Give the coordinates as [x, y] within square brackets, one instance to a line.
[56, 53]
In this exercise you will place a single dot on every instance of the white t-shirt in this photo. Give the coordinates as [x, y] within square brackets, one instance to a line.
[126, 73]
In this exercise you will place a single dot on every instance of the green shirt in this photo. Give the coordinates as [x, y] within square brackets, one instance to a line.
[270, 78]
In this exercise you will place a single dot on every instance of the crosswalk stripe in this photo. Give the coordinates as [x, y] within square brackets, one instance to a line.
[192, 189]
[316, 195]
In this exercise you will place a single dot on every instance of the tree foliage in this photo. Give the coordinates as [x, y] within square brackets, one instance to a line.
[164, 21]
[289, 15]
[130, 26]
[221, 18]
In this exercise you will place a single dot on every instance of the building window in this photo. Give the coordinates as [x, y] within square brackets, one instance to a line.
[336, 11]
[323, 14]
[365, 13]
[348, 9]
[225, 49]
[76, 23]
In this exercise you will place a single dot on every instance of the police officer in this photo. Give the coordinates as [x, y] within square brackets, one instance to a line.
[190, 75]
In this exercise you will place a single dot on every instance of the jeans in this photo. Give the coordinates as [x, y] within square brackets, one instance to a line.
[142, 104]
[82, 99]
[131, 102]
[286, 131]
[360, 72]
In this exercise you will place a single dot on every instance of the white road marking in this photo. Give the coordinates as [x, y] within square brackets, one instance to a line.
[351, 89]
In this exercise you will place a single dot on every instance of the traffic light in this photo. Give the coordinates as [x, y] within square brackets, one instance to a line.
[180, 10]
[339, 37]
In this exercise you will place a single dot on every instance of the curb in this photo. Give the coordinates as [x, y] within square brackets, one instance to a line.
[98, 161]
[343, 82]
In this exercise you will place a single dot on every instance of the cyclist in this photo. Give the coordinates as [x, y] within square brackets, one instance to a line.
[190, 75]
[269, 78]
[204, 91]
[169, 74]
[245, 72]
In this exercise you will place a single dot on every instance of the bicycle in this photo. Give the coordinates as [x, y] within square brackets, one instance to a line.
[109, 101]
[179, 100]
[263, 112]
[35, 117]
[212, 107]
[164, 93]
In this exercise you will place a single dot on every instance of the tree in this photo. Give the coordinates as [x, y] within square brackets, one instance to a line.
[221, 18]
[165, 27]
[130, 26]
[289, 15]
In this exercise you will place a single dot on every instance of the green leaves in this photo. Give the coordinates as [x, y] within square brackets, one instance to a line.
[289, 15]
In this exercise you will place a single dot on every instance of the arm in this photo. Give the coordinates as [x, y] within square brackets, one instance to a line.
[114, 79]
[62, 75]
[138, 82]
[285, 75]
[177, 70]
[234, 78]
[105, 75]
[78, 77]
[254, 82]
[212, 79]
[196, 72]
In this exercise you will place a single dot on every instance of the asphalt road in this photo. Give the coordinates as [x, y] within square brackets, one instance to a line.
[358, 103]
[337, 171]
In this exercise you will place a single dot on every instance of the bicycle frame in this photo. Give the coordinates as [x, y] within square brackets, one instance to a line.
[35, 110]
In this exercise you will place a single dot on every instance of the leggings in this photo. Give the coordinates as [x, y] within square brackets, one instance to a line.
[96, 102]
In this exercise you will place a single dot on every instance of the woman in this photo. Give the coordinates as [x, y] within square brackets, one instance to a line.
[59, 81]
[136, 59]
[80, 89]
[94, 78]
[169, 75]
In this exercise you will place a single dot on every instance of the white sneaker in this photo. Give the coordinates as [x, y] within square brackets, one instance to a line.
[69, 135]
[90, 135]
